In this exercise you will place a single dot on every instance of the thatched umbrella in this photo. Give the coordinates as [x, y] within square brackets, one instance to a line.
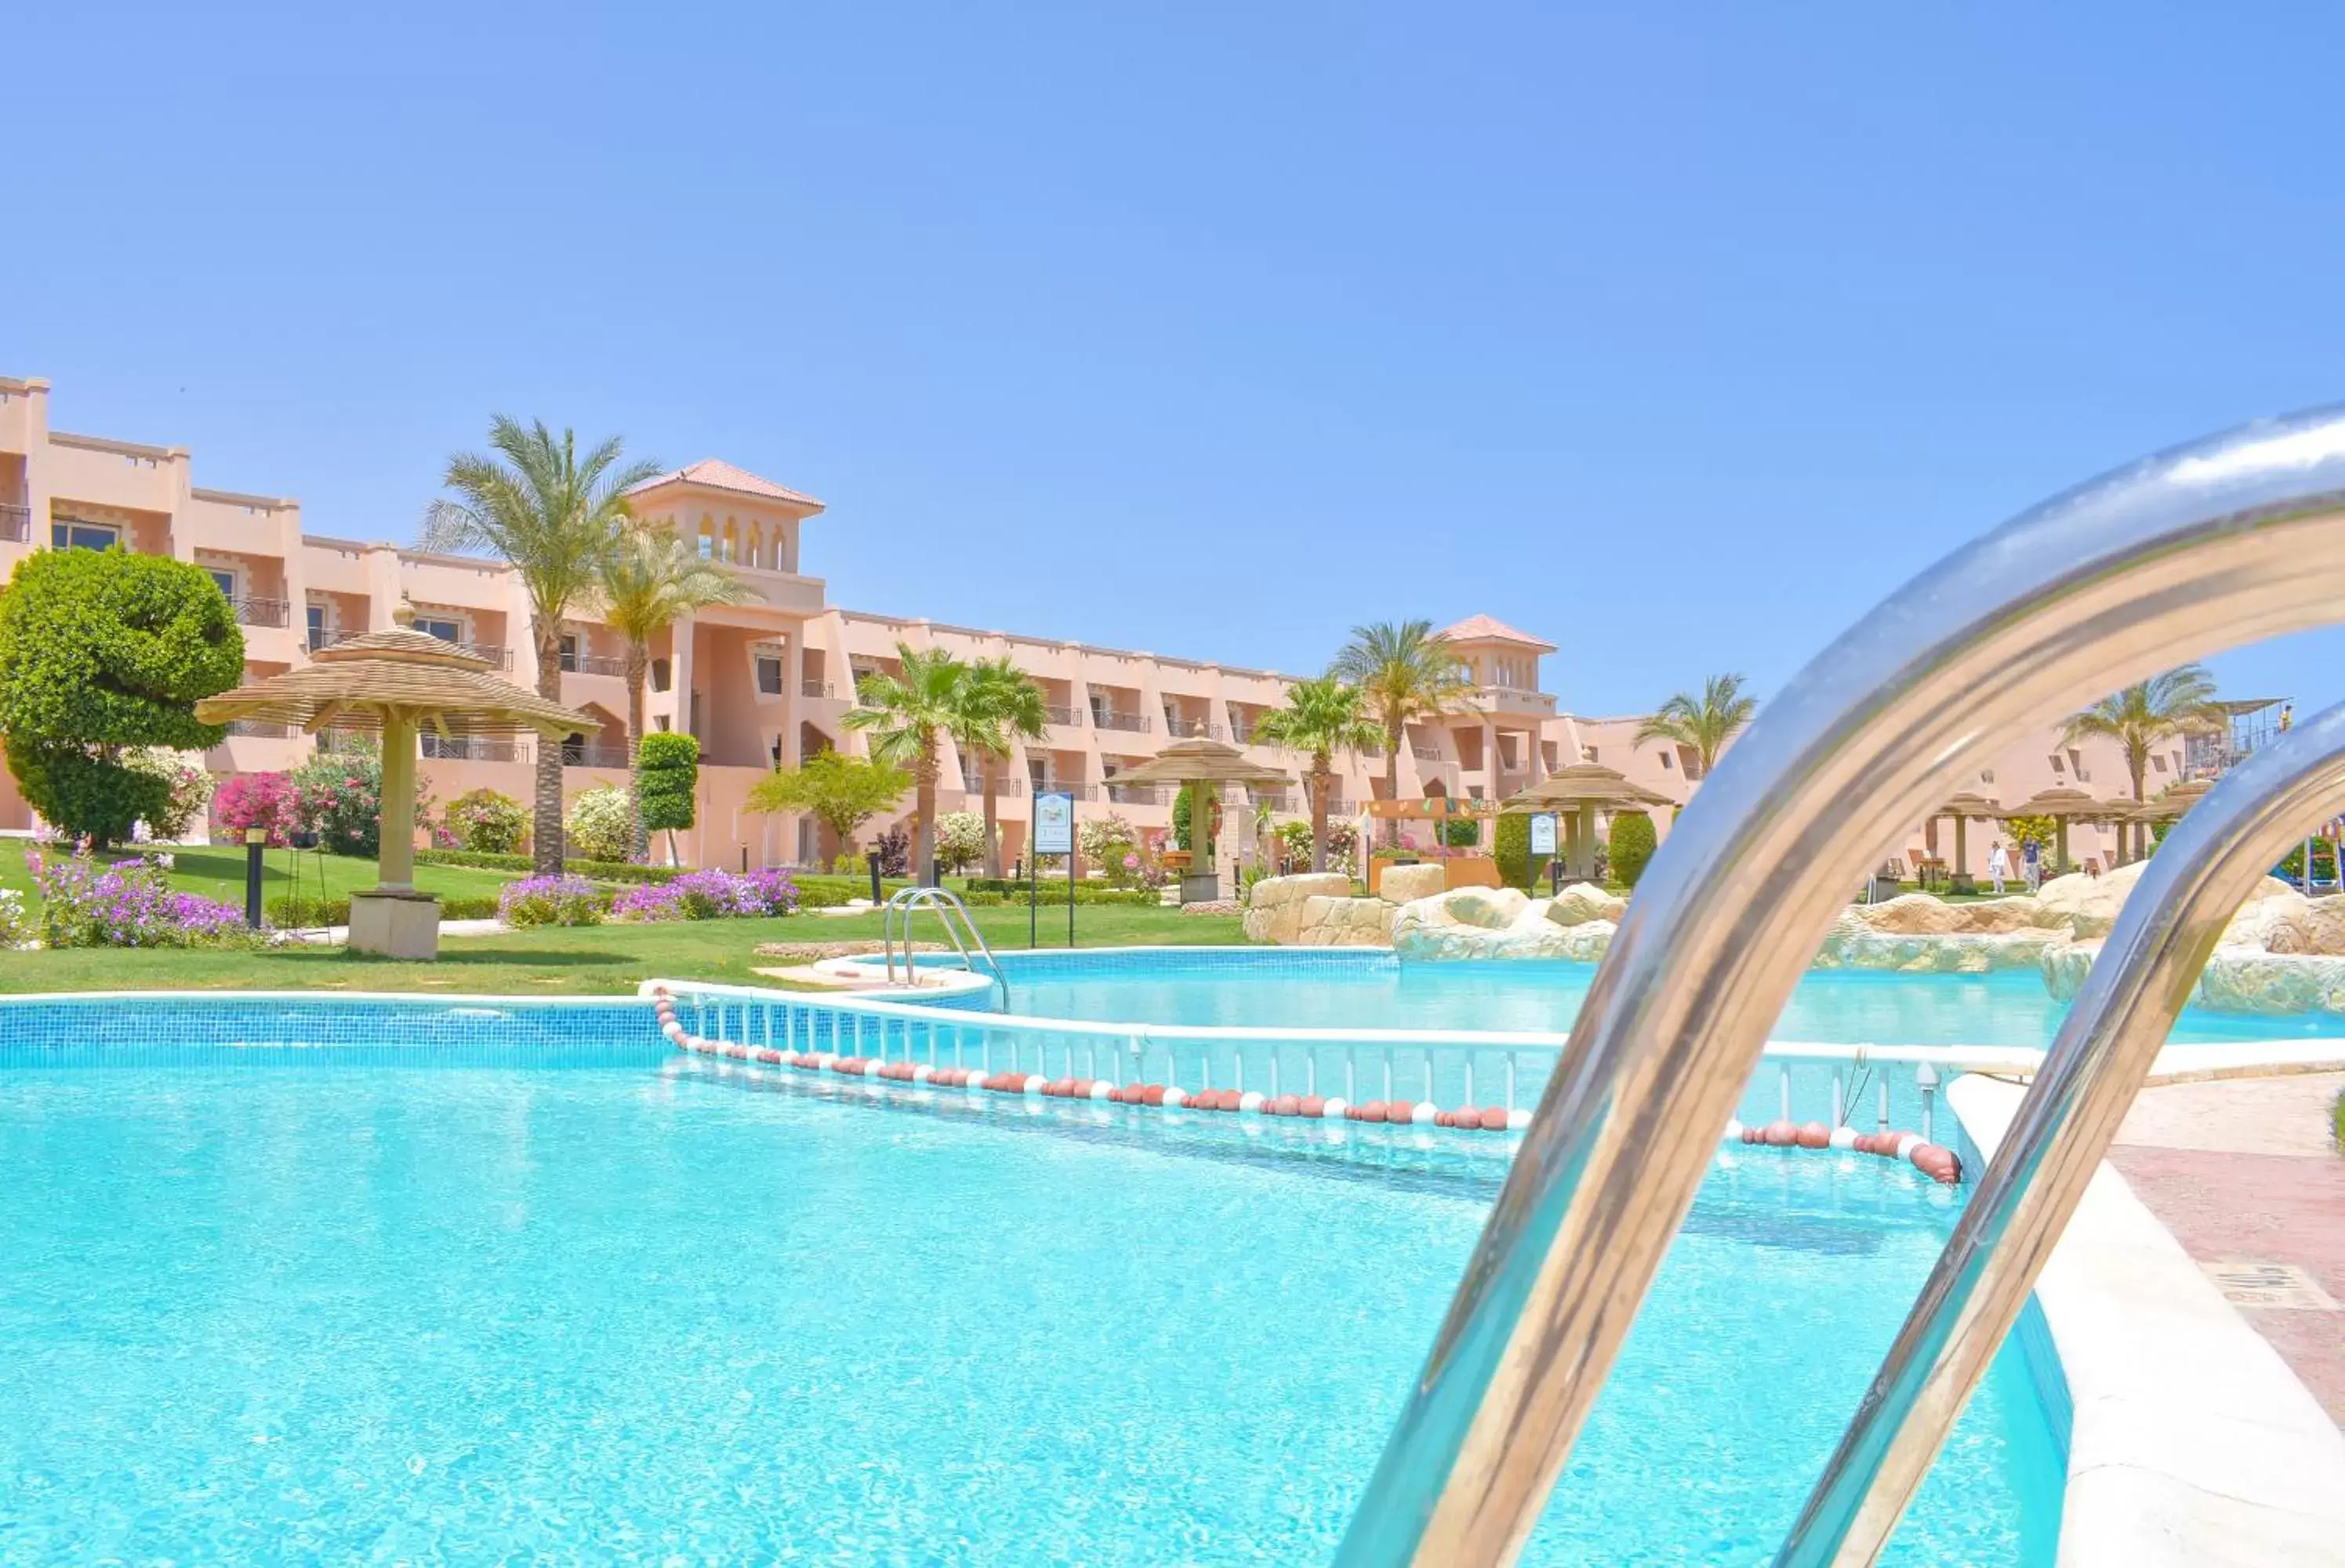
[1208, 765]
[1964, 808]
[2062, 804]
[394, 683]
[1580, 789]
[2166, 805]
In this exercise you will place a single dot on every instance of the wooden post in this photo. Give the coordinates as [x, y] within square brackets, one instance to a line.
[397, 871]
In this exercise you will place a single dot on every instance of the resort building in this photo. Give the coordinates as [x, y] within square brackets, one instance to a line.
[766, 682]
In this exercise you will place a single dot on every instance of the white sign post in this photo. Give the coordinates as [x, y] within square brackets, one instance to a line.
[1054, 834]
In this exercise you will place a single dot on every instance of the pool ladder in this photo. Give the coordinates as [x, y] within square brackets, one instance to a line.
[953, 915]
[2228, 541]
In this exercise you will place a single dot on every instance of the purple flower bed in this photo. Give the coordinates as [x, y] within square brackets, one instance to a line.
[552, 901]
[710, 894]
[129, 903]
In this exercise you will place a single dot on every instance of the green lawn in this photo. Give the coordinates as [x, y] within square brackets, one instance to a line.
[586, 960]
[218, 872]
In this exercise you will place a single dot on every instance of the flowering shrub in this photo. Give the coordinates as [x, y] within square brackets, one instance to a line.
[600, 824]
[254, 800]
[487, 822]
[14, 931]
[186, 791]
[337, 795]
[550, 901]
[126, 904]
[961, 840]
[710, 894]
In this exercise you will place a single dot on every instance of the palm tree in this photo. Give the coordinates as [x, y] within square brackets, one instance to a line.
[1000, 705]
[1702, 724]
[1322, 716]
[2142, 716]
[1403, 671]
[649, 582]
[554, 515]
[908, 717]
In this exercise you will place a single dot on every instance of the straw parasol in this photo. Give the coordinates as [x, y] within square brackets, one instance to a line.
[1207, 765]
[1966, 808]
[2063, 803]
[2166, 805]
[393, 683]
[1581, 789]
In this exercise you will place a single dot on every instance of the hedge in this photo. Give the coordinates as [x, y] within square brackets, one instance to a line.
[1510, 843]
[1633, 838]
[288, 913]
[593, 870]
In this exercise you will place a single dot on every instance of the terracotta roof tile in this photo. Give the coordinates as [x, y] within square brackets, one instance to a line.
[1488, 629]
[718, 474]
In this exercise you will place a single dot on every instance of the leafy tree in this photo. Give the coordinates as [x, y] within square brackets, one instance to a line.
[668, 774]
[1000, 705]
[650, 581]
[2142, 717]
[1633, 840]
[840, 792]
[102, 654]
[908, 717]
[1322, 716]
[1704, 723]
[556, 516]
[1403, 671]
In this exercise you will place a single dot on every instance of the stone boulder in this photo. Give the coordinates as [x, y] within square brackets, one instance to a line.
[1275, 913]
[1920, 914]
[1430, 928]
[1407, 884]
[2247, 980]
[1582, 902]
[1491, 908]
[1344, 922]
[1854, 945]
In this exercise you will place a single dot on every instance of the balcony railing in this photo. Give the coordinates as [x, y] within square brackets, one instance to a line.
[1174, 725]
[1135, 794]
[326, 637]
[474, 749]
[15, 523]
[592, 754]
[1070, 717]
[814, 689]
[593, 664]
[1065, 787]
[261, 730]
[1242, 730]
[1515, 697]
[497, 654]
[1108, 719]
[1423, 752]
[262, 612]
[1006, 784]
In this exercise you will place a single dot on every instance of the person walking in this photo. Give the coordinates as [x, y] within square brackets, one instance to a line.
[2031, 860]
[1998, 867]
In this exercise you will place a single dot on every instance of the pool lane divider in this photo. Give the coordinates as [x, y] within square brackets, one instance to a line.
[1938, 1163]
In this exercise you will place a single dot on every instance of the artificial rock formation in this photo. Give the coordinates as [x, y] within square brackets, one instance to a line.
[1406, 884]
[1344, 922]
[1275, 910]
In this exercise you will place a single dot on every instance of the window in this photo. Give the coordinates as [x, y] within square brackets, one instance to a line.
[436, 626]
[226, 578]
[659, 675]
[1665, 761]
[769, 676]
[660, 724]
[72, 533]
[2157, 762]
[2057, 765]
[317, 627]
[569, 650]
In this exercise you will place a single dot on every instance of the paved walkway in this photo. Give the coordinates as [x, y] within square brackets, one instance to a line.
[2245, 1174]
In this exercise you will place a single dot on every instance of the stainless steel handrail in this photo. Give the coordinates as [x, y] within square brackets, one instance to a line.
[948, 908]
[2141, 980]
[2228, 541]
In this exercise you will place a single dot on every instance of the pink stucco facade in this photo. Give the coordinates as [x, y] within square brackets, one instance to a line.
[764, 682]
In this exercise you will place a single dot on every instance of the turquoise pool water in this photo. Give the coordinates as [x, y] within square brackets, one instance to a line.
[307, 1303]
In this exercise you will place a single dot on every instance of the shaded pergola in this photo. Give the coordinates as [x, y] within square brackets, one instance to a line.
[1207, 765]
[2167, 805]
[396, 683]
[1577, 794]
[1966, 808]
[2064, 805]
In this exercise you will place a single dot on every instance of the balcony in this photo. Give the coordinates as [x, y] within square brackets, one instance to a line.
[498, 657]
[814, 689]
[262, 612]
[1108, 719]
[1006, 784]
[1425, 754]
[1070, 717]
[1514, 700]
[1065, 787]
[1135, 794]
[592, 754]
[1185, 728]
[16, 524]
[593, 664]
[473, 749]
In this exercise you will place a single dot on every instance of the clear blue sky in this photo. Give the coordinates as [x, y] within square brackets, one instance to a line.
[1677, 333]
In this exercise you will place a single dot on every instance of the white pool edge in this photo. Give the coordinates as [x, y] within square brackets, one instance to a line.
[2192, 1444]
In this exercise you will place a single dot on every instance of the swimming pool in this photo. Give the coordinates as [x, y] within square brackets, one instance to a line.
[431, 1281]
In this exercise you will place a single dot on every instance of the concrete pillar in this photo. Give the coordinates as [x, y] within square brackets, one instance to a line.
[398, 860]
[681, 638]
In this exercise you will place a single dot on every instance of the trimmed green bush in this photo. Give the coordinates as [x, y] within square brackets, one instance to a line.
[1633, 840]
[102, 652]
[1511, 846]
[668, 774]
[288, 913]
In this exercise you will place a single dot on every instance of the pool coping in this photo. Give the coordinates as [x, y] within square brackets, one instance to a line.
[2191, 1444]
